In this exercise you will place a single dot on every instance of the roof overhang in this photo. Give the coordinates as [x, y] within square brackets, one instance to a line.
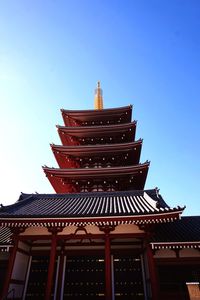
[48, 221]
[90, 114]
[86, 172]
[84, 130]
[107, 148]
[175, 245]
[60, 177]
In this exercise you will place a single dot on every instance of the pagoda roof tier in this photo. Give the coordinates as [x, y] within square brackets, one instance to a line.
[85, 172]
[97, 116]
[82, 149]
[134, 176]
[110, 208]
[124, 132]
[130, 151]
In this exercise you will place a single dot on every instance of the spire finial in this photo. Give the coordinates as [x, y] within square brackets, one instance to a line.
[98, 98]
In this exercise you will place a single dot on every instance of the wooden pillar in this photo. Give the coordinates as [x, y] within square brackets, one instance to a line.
[10, 266]
[152, 273]
[51, 266]
[108, 280]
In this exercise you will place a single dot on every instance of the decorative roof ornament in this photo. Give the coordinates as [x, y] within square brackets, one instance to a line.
[98, 98]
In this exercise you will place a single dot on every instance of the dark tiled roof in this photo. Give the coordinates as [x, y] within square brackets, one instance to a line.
[183, 230]
[101, 204]
[5, 234]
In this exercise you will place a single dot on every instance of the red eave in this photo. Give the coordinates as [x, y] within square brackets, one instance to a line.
[64, 154]
[68, 134]
[87, 130]
[88, 115]
[96, 148]
[113, 171]
[97, 111]
[61, 179]
[92, 150]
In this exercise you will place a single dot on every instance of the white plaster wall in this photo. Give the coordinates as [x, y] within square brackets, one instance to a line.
[165, 253]
[69, 230]
[127, 228]
[89, 228]
[123, 228]
[36, 231]
[93, 229]
[189, 253]
[20, 266]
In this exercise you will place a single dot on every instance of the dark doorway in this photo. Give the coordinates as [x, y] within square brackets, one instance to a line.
[37, 278]
[128, 279]
[84, 278]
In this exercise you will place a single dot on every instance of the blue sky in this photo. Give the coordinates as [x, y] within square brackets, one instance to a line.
[144, 52]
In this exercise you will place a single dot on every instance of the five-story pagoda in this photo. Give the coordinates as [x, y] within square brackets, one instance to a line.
[99, 151]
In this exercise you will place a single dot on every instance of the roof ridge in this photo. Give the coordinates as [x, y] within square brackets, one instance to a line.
[90, 193]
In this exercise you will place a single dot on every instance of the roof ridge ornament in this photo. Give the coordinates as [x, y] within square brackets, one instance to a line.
[98, 98]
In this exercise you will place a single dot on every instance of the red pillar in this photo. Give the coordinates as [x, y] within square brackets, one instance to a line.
[108, 267]
[51, 267]
[152, 273]
[10, 267]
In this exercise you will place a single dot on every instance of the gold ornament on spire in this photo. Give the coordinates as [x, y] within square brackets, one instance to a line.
[98, 98]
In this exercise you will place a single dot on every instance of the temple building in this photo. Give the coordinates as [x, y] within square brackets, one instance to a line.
[101, 235]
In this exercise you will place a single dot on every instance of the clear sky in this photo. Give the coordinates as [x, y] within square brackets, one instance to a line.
[144, 52]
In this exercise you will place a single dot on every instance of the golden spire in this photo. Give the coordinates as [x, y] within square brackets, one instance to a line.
[98, 98]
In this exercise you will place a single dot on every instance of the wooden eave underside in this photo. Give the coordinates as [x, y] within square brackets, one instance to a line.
[98, 172]
[91, 113]
[99, 221]
[93, 149]
[175, 245]
[97, 130]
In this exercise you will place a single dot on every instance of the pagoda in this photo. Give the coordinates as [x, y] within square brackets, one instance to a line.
[101, 234]
[99, 152]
